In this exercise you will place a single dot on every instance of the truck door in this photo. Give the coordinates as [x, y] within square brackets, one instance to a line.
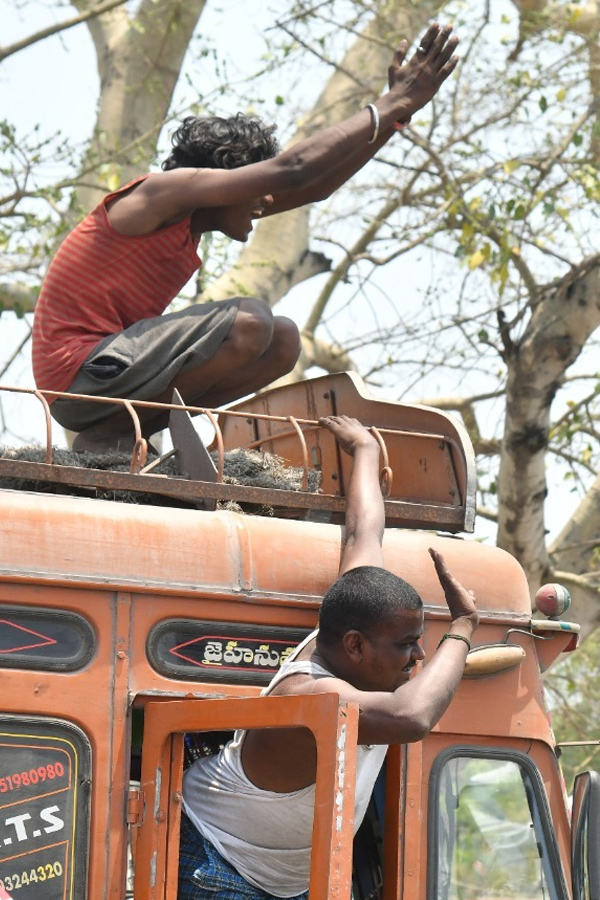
[585, 846]
[490, 829]
[335, 728]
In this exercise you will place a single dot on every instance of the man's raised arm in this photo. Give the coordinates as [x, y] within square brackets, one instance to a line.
[313, 168]
[365, 516]
[415, 82]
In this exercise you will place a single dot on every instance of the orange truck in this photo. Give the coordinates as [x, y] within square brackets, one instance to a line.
[135, 636]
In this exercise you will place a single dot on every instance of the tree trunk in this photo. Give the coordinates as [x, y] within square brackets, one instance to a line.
[577, 550]
[139, 62]
[566, 315]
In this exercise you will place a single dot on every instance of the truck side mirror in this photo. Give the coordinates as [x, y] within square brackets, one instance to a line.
[585, 837]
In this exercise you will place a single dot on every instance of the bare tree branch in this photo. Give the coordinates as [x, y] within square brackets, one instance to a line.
[44, 33]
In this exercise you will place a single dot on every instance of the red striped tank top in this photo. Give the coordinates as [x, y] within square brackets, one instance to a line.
[99, 283]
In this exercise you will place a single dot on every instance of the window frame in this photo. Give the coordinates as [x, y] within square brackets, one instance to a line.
[554, 869]
[585, 836]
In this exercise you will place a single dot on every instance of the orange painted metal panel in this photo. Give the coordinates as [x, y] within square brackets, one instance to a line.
[151, 609]
[126, 546]
[395, 817]
[335, 728]
[93, 698]
[507, 703]
[545, 759]
[421, 758]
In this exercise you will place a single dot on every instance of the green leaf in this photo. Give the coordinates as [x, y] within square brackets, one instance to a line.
[476, 259]
[468, 230]
[511, 165]
[543, 104]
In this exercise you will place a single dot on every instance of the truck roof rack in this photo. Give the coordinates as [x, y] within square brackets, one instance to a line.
[427, 474]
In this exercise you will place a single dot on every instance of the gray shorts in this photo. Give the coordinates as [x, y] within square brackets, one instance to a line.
[140, 362]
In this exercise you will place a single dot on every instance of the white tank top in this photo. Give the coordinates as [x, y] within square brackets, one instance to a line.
[266, 835]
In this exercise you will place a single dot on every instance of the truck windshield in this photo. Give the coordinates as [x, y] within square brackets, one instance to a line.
[489, 839]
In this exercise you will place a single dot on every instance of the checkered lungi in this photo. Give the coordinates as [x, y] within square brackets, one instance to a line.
[205, 875]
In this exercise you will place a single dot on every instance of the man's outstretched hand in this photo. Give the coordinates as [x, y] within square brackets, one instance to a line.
[349, 433]
[419, 79]
[461, 602]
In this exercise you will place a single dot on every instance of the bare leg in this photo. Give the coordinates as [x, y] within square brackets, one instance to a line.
[258, 349]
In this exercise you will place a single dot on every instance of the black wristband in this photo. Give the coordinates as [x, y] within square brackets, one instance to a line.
[456, 637]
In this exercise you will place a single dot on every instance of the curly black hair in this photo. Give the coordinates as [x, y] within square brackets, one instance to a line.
[213, 142]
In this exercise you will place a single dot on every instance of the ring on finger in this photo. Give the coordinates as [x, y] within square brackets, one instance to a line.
[421, 49]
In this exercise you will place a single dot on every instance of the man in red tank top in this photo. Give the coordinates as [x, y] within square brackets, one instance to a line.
[99, 327]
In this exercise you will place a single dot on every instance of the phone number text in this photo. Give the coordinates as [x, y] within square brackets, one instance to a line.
[25, 878]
